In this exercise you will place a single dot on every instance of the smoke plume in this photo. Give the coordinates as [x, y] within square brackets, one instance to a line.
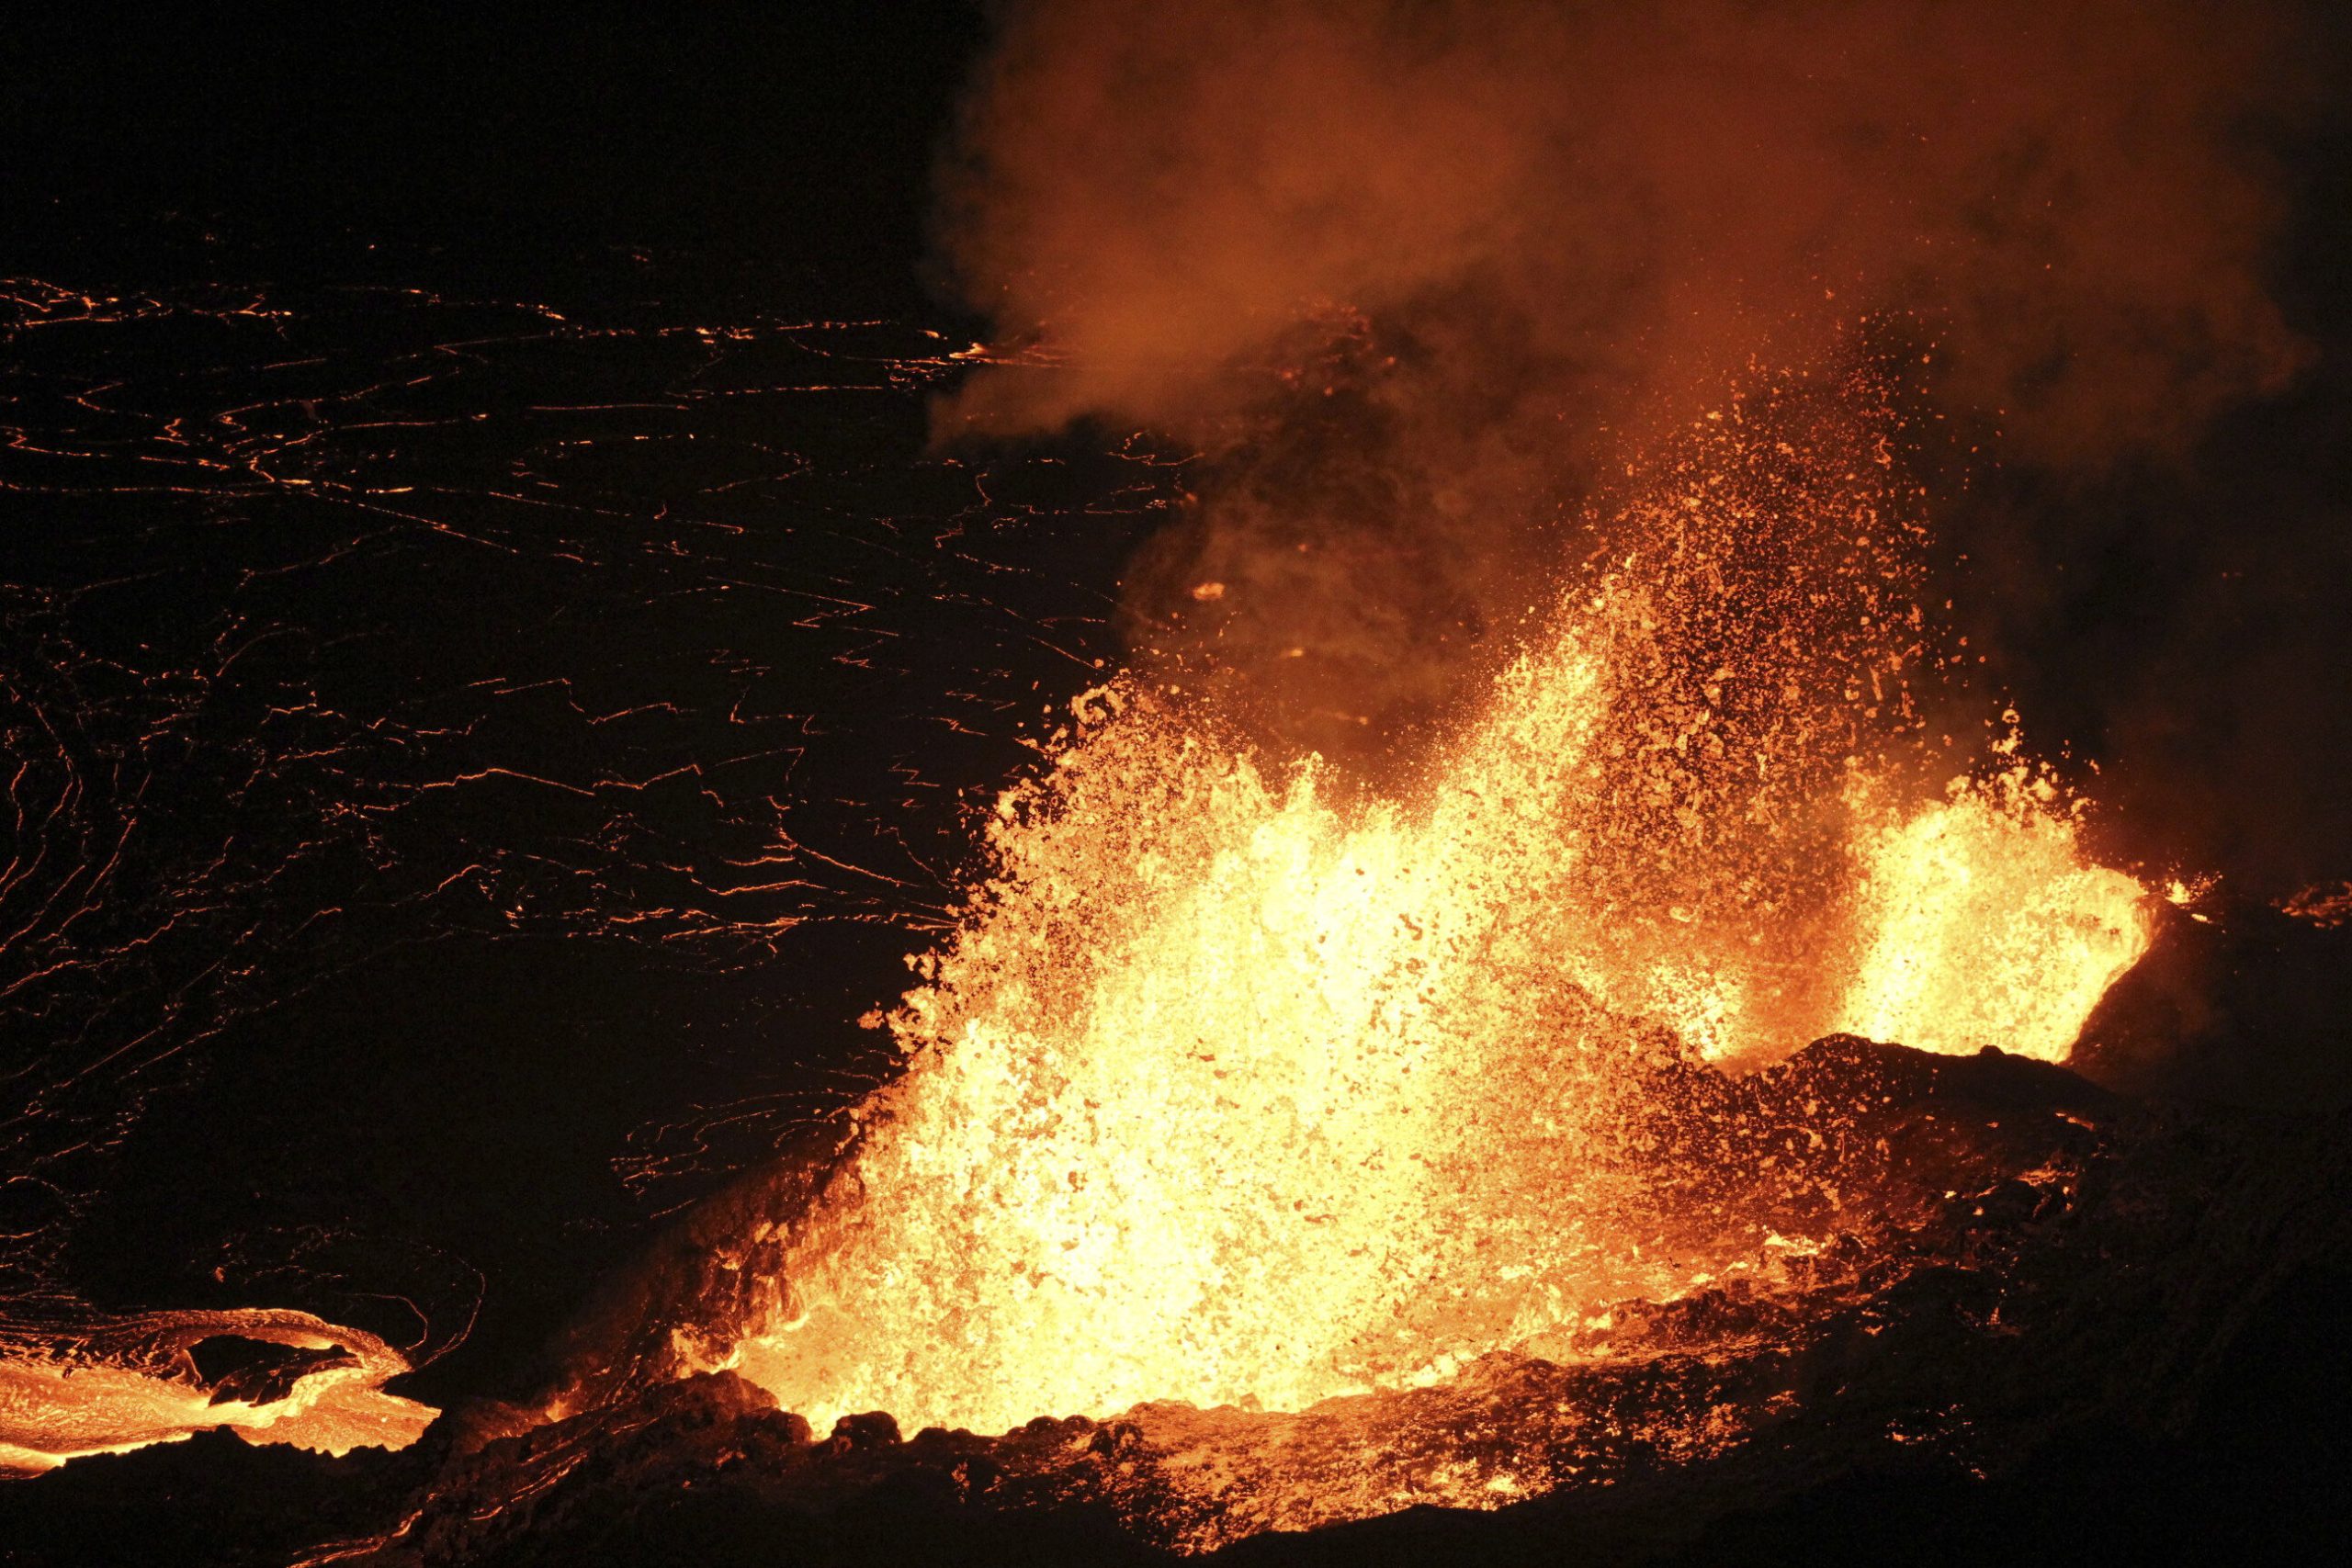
[1414, 277]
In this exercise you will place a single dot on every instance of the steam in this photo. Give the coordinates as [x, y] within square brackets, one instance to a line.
[1411, 274]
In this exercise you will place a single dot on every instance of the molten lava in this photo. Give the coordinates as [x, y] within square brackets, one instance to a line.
[107, 1385]
[1236, 1087]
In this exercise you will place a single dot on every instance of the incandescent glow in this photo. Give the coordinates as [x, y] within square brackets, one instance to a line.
[113, 1385]
[1235, 1087]
[1986, 926]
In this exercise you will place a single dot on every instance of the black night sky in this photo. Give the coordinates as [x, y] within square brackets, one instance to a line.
[416, 753]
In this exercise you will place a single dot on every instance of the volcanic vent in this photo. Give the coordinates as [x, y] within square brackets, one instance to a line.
[1234, 1090]
[1354, 1145]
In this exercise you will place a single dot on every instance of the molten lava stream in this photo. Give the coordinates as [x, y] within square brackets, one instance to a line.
[1230, 1091]
[107, 1385]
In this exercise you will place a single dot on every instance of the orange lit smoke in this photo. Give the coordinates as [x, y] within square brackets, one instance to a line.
[1237, 1085]
[1524, 222]
[1567, 195]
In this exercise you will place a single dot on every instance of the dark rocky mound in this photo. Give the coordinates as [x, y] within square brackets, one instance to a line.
[2057, 1325]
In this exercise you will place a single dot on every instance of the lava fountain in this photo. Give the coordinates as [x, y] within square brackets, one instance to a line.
[1237, 1087]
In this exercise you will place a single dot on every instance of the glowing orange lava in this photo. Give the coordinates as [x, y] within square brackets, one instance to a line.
[108, 1385]
[1236, 1089]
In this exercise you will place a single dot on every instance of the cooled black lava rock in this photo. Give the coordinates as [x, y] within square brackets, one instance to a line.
[2044, 1288]
[214, 1500]
[2059, 1325]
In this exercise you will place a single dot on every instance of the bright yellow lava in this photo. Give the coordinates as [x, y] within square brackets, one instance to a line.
[1985, 927]
[1230, 1090]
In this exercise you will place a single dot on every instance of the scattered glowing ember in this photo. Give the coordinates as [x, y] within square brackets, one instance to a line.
[2326, 905]
[1237, 1088]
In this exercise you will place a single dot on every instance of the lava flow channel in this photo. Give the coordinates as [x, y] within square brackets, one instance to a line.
[1238, 1088]
[108, 1385]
